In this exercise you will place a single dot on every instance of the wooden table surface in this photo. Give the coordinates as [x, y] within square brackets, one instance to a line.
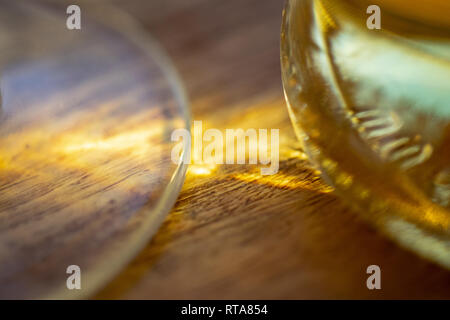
[236, 234]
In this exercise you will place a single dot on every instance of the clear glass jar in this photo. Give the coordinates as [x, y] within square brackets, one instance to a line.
[372, 109]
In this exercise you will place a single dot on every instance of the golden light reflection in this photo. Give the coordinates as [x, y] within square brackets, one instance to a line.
[66, 159]
[137, 139]
[70, 148]
[238, 144]
[281, 180]
[201, 169]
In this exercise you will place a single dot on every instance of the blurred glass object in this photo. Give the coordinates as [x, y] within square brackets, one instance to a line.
[372, 110]
[86, 175]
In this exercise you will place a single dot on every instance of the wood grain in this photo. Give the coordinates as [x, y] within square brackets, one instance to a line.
[233, 234]
[85, 147]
